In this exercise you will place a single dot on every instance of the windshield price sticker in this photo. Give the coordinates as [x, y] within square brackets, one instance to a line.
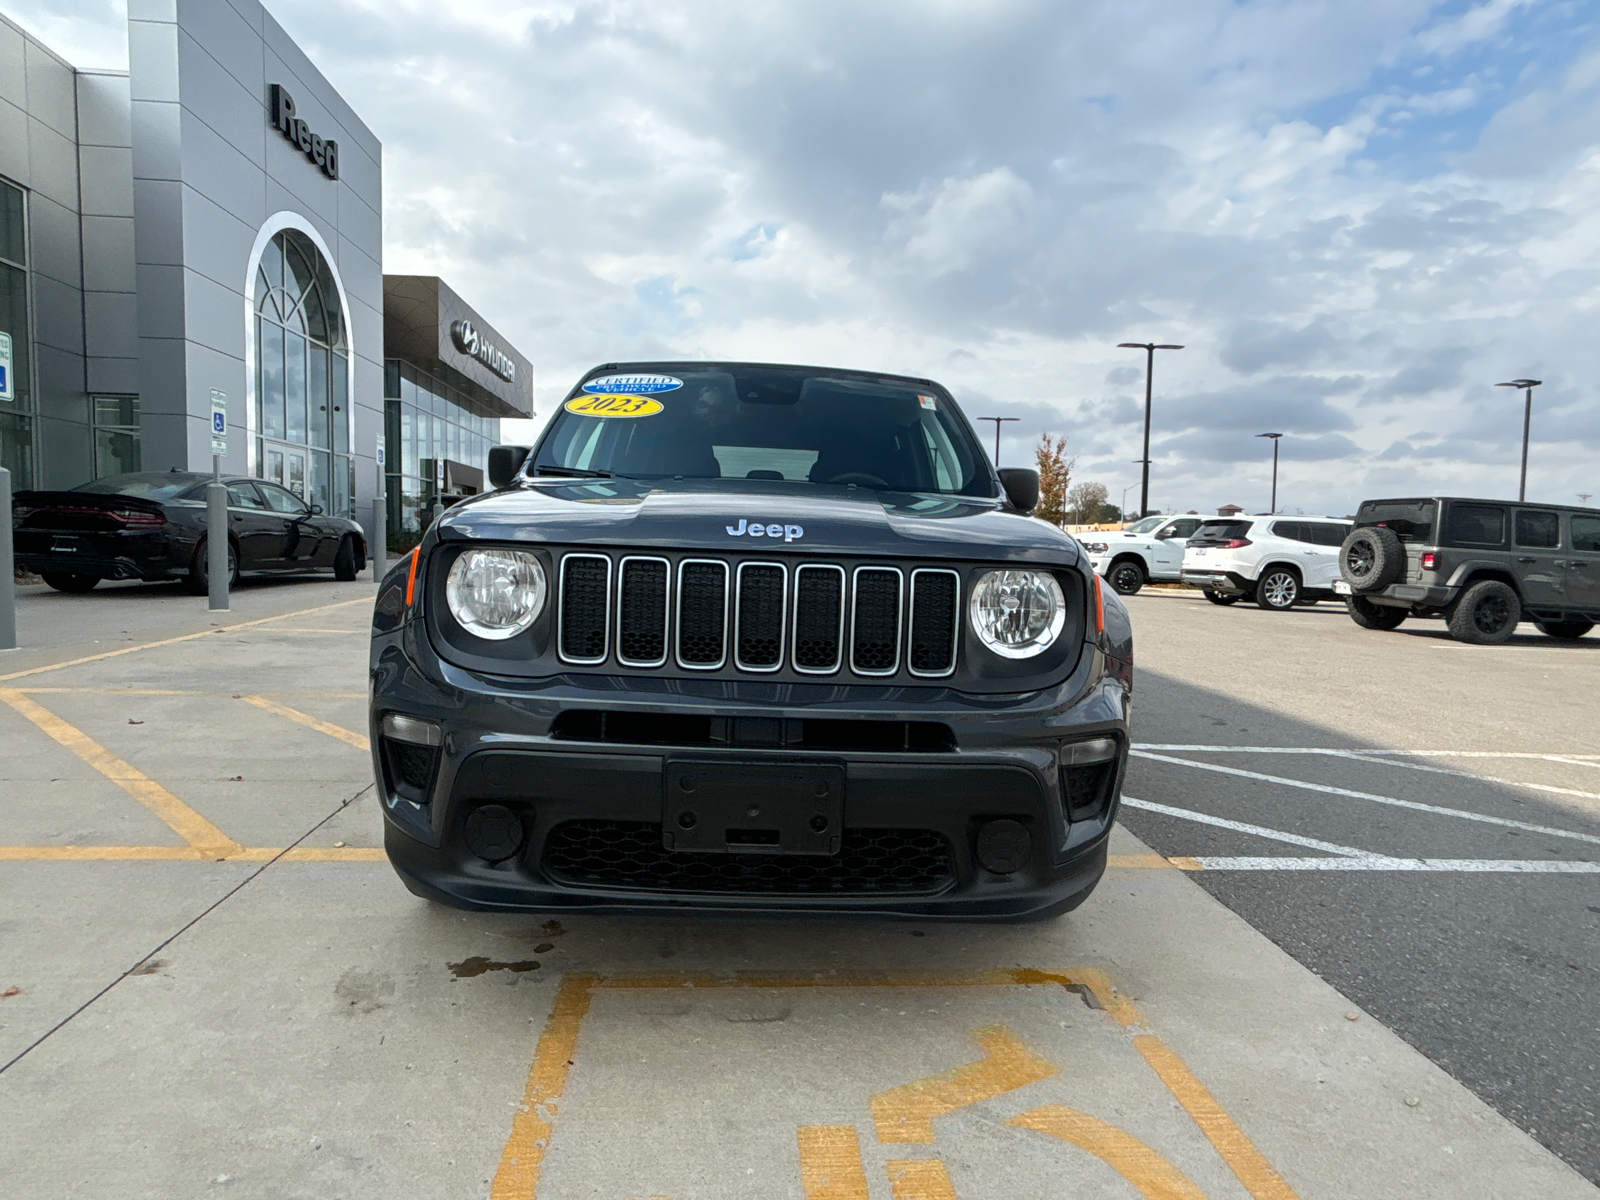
[632, 385]
[927, 402]
[614, 406]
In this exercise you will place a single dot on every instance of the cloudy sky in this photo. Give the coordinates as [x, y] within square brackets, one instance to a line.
[1357, 215]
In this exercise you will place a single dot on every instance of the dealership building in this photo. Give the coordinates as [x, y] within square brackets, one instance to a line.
[207, 228]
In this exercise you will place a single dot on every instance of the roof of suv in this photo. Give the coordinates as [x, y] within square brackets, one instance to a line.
[1480, 500]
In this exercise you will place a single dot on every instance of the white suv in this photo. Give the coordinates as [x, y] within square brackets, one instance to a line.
[1276, 561]
[1148, 549]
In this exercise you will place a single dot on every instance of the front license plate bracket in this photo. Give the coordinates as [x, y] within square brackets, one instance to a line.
[752, 808]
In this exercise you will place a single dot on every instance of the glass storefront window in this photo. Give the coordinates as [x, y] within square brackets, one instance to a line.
[116, 435]
[16, 412]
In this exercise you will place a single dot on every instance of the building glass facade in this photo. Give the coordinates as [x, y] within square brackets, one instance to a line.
[436, 442]
[16, 403]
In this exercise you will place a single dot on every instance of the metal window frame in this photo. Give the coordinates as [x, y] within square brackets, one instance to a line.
[955, 622]
[561, 608]
[666, 609]
[899, 616]
[794, 625]
[677, 617]
[783, 614]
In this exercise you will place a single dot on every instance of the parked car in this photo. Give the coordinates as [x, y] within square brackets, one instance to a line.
[1149, 549]
[1482, 565]
[738, 637]
[1278, 562]
[151, 525]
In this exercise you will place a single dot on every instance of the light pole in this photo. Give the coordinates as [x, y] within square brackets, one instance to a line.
[1527, 418]
[1274, 437]
[997, 422]
[1583, 497]
[1149, 349]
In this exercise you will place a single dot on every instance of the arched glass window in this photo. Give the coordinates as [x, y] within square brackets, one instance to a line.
[302, 374]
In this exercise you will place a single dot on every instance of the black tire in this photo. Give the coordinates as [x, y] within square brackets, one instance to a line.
[1278, 589]
[1223, 597]
[1373, 616]
[1126, 576]
[1486, 614]
[66, 581]
[345, 564]
[199, 577]
[1371, 558]
[1567, 631]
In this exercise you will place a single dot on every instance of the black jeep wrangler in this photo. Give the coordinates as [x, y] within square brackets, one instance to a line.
[739, 637]
[1483, 565]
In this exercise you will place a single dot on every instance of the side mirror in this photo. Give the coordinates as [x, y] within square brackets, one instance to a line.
[1022, 487]
[504, 463]
[316, 510]
[1163, 534]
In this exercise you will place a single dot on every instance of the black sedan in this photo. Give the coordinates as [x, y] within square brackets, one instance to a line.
[152, 525]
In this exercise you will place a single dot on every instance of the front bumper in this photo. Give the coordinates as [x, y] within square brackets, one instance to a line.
[591, 811]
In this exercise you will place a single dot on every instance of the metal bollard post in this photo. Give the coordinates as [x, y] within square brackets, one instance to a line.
[8, 569]
[380, 539]
[217, 538]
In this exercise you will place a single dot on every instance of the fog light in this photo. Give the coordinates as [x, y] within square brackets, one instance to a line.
[494, 832]
[1004, 847]
[1092, 751]
[410, 729]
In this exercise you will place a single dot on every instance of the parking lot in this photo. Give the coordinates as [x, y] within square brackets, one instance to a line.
[1347, 946]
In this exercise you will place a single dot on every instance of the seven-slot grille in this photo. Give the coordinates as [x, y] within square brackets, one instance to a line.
[815, 618]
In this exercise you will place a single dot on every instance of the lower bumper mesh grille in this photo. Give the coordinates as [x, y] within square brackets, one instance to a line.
[629, 855]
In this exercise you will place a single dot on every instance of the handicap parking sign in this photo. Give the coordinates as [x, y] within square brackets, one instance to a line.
[219, 422]
[5, 368]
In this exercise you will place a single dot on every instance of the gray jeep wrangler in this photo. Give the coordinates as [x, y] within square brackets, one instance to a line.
[1483, 565]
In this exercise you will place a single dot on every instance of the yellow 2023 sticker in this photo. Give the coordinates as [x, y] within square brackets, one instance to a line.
[614, 406]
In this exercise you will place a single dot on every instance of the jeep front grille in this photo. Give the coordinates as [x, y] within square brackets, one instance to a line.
[758, 617]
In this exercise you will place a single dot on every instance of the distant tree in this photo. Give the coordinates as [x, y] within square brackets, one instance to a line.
[1110, 514]
[1055, 474]
[1084, 501]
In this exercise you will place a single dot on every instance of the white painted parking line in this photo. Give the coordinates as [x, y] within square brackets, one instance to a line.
[1395, 802]
[1584, 760]
[1349, 858]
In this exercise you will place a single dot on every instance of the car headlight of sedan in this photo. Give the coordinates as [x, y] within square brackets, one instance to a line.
[495, 593]
[1018, 614]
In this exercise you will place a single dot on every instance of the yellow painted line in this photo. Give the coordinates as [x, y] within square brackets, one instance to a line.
[69, 691]
[178, 816]
[830, 1163]
[173, 641]
[310, 629]
[189, 854]
[919, 1179]
[1187, 864]
[518, 1175]
[358, 740]
[1138, 861]
[1259, 1177]
[1153, 1175]
[906, 1113]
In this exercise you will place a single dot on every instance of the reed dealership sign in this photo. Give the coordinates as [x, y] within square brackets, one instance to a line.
[324, 154]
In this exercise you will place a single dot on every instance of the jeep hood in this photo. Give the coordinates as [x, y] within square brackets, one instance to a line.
[702, 515]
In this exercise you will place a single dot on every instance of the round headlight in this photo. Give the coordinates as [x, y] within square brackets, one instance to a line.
[1018, 614]
[495, 594]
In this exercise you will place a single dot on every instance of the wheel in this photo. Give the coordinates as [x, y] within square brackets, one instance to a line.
[65, 581]
[1126, 577]
[345, 565]
[199, 580]
[1222, 598]
[1278, 590]
[1373, 616]
[1371, 558]
[1567, 631]
[1486, 614]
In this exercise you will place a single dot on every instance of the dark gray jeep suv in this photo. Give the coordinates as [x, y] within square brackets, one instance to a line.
[1483, 565]
[737, 637]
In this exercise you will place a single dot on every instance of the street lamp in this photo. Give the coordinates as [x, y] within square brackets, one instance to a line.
[1274, 437]
[1149, 349]
[1527, 416]
[997, 421]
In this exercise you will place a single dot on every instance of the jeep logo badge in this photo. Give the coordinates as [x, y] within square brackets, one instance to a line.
[755, 529]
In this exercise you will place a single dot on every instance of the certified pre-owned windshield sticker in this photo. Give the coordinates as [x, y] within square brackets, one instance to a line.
[633, 385]
[614, 406]
[760, 529]
[927, 402]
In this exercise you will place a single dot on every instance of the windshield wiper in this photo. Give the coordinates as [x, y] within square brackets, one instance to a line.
[575, 472]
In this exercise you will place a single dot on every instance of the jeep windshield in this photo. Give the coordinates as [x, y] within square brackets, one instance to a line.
[781, 425]
[1412, 520]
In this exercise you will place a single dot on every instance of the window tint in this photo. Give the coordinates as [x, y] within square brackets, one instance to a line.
[1325, 533]
[243, 495]
[282, 501]
[1411, 519]
[1538, 530]
[1222, 530]
[1294, 531]
[1478, 524]
[147, 485]
[1586, 534]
